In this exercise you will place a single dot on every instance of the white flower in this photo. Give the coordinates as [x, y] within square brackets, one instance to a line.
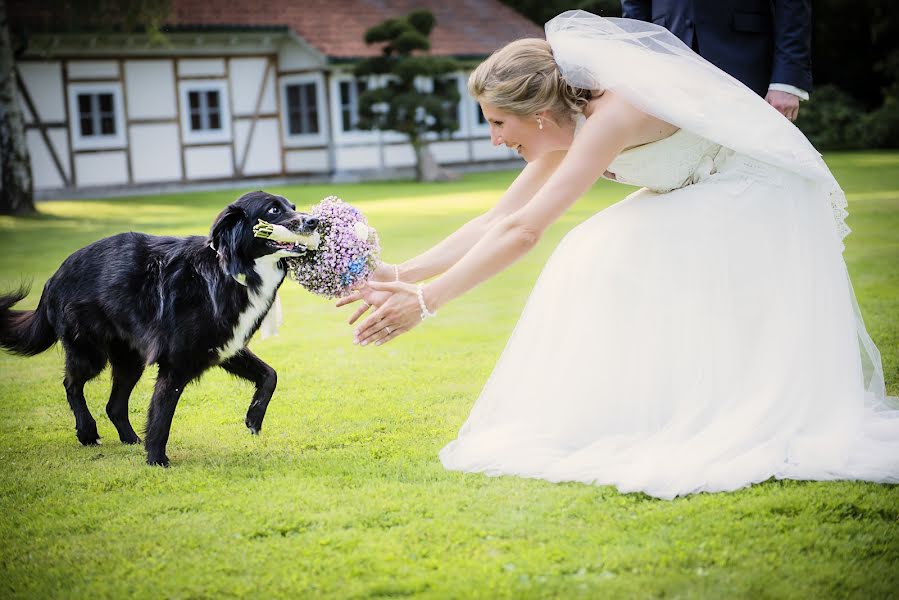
[360, 229]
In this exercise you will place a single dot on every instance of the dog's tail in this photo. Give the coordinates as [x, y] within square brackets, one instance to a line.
[27, 332]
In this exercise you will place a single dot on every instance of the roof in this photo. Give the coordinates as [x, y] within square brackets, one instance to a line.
[464, 28]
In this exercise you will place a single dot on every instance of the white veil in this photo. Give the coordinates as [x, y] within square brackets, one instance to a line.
[661, 76]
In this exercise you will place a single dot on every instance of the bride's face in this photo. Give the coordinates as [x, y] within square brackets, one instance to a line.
[524, 135]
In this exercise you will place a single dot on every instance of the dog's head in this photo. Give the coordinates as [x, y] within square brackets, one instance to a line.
[232, 232]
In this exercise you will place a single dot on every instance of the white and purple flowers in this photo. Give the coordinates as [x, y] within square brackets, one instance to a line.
[346, 256]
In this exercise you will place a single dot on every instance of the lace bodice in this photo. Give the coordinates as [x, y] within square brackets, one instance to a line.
[670, 163]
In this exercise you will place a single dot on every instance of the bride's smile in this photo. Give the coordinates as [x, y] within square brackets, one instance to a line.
[532, 136]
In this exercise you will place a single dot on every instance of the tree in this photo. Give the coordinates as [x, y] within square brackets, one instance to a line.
[16, 187]
[401, 104]
[62, 16]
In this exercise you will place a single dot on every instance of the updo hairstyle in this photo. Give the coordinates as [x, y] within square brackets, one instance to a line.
[523, 78]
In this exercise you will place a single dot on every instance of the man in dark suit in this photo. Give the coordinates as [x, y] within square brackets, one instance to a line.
[766, 44]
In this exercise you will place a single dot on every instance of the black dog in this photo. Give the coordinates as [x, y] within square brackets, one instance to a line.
[186, 304]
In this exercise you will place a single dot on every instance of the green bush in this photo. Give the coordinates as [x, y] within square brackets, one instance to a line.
[832, 119]
[880, 128]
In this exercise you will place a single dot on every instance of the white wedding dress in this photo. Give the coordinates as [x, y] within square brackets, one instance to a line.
[699, 335]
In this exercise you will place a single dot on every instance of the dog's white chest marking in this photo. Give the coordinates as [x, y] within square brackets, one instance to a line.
[267, 268]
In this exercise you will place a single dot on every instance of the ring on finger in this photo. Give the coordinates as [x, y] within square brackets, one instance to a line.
[387, 329]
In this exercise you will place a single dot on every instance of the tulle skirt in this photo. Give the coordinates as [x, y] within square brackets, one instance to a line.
[702, 339]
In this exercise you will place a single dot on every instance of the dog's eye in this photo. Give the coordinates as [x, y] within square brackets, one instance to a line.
[274, 210]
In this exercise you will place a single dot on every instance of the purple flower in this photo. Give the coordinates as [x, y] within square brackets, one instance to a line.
[343, 259]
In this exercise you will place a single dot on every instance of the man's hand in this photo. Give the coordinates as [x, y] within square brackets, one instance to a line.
[786, 103]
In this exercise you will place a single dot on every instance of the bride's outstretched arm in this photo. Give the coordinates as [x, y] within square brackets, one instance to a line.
[446, 253]
[603, 136]
[600, 140]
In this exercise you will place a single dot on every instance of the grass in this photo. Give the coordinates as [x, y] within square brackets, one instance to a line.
[342, 494]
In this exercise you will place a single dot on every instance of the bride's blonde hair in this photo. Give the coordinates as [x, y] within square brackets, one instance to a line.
[523, 78]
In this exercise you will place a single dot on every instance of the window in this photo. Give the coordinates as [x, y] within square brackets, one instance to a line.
[97, 116]
[479, 123]
[303, 108]
[205, 110]
[442, 86]
[205, 117]
[350, 90]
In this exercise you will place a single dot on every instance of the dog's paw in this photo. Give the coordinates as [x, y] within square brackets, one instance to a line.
[253, 424]
[158, 461]
[89, 438]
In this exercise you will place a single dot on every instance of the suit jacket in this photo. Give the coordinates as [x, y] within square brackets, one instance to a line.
[757, 41]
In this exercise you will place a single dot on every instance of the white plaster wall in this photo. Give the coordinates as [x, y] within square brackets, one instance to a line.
[264, 153]
[246, 79]
[449, 152]
[155, 152]
[399, 155]
[43, 80]
[208, 162]
[92, 69]
[201, 67]
[150, 89]
[306, 161]
[43, 170]
[293, 57]
[101, 168]
[357, 157]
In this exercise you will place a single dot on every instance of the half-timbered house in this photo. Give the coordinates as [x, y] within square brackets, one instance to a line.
[240, 89]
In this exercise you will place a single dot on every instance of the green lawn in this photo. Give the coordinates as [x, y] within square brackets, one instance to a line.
[342, 494]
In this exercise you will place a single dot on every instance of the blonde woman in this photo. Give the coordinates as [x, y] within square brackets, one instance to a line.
[701, 334]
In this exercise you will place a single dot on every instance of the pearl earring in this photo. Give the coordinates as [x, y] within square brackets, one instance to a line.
[539, 123]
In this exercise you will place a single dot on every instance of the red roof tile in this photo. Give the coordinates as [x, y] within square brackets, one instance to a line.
[336, 27]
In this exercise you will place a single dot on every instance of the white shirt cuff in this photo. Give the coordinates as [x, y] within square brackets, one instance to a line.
[790, 89]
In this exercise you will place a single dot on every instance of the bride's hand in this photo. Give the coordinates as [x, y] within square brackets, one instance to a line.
[399, 313]
[369, 297]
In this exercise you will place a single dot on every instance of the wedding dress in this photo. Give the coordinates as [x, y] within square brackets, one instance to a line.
[700, 335]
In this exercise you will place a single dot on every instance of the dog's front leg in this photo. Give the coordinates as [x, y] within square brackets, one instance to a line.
[247, 365]
[169, 387]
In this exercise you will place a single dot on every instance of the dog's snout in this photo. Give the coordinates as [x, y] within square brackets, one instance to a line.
[310, 223]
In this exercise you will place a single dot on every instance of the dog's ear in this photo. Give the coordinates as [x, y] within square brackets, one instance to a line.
[228, 237]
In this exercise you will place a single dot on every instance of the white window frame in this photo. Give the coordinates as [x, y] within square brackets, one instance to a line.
[352, 135]
[305, 139]
[97, 142]
[203, 137]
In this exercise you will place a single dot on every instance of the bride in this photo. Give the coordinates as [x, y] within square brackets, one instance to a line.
[700, 335]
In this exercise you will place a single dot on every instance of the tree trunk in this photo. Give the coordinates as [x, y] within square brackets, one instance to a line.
[426, 166]
[418, 147]
[16, 188]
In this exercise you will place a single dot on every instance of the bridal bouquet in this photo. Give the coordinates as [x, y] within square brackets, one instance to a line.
[341, 254]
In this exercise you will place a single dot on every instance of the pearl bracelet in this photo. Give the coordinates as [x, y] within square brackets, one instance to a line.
[396, 271]
[425, 313]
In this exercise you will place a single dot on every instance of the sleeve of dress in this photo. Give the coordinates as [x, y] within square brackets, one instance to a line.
[792, 43]
[637, 9]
